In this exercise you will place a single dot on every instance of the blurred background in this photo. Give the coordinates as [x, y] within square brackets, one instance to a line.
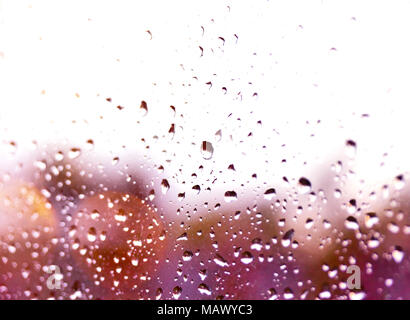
[204, 150]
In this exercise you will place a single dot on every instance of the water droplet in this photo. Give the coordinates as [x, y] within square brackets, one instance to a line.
[325, 294]
[74, 153]
[337, 193]
[304, 185]
[393, 227]
[143, 108]
[92, 234]
[398, 254]
[176, 292]
[207, 150]
[12, 249]
[95, 214]
[187, 256]
[59, 156]
[197, 188]
[288, 294]
[287, 238]
[182, 237]
[309, 223]
[171, 131]
[246, 258]
[351, 223]
[256, 244]
[164, 186]
[371, 219]
[326, 224]
[272, 295]
[351, 148]
[230, 196]
[42, 165]
[90, 144]
[158, 294]
[389, 282]
[373, 243]
[269, 194]
[352, 206]
[204, 289]
[399, 182]
[218, 135]
[120, 215]
[220, 261]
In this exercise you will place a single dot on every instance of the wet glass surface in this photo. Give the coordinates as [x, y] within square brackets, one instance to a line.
[204, 150]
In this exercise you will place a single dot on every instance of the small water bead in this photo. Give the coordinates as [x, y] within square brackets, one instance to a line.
[269, 194]
[197, 188]
[371, 219]
[304, 185]
[218, 135]
[164, 186]
[373, 243]
[42, 165]
[12, 249]
[158, 294]
[72, 231]
[120, 215]
[187, 256]
[393, 227]
[288, 294]
[171, 131]
[398, 254]
[287, 238]
[59, 156]
[399, 182]
[351, 148]
[351, 223]
[272, 294]
[182, 237]
[207, 150]
[90, 144]
[357, 295]
[325, 294]
[282, 222]
[389, 282]
[204, 289]
[247, 257]
[74, 153]
[92, 234]
[176, 292]
[327, 224]
[352, 206]
[309, 223]
[95, 215]
[337, 193]
[220, 261]
[143, 108]
[230, 196]
[257, 244]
